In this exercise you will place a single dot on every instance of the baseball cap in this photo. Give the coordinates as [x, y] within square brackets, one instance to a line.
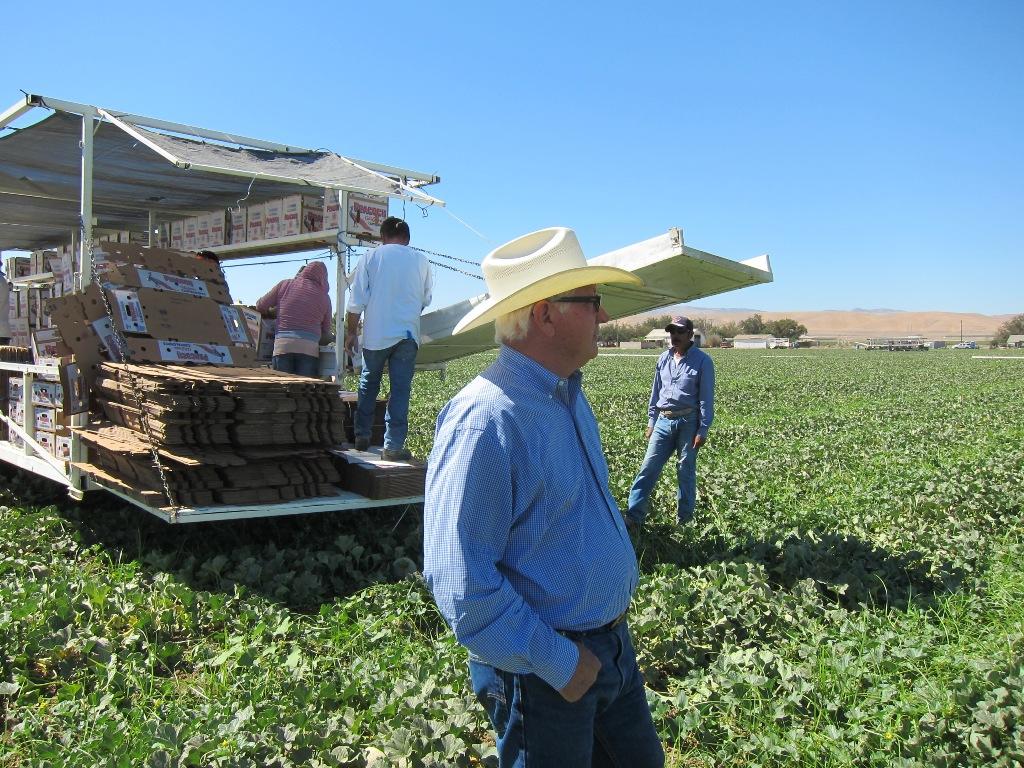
[681, 322]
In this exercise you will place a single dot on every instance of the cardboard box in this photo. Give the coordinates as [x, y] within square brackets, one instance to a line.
[178, 234]
[331, 209]
[45, 419]
[48, 348]
[157, 350]
[16, 390]
[254, 222]
[159, 260]
[74, 388]
[273, 219]
[364, 216]
[67, 272]
[203, 230]
[20, 332]
[301, 213]
[62, 446]
[190, 234]
[253, 320]
[47, 393]
[40, 261]
[169, 315]
[268, 330]
[18, 266]
[217, 233]
[47, 441]
[368, 475]
[236, 225]
[87, 330]
[138, 277]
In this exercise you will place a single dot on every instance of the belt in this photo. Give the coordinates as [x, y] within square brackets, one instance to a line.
[579, 634]
[677, 414]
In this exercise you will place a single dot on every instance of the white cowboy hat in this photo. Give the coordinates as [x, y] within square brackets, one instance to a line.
[535, 267]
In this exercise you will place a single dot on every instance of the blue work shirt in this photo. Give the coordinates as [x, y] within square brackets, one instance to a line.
[686, 383]
[521, 536]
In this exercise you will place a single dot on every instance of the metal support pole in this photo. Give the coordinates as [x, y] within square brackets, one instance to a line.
[84, 262]
[151, 239]
[78, 450]
[340, 286]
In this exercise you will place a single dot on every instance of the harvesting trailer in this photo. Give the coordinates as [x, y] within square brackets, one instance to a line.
[84, 169]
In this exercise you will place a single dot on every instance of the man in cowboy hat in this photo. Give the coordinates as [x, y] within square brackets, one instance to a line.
[680, 412]
[525, 549]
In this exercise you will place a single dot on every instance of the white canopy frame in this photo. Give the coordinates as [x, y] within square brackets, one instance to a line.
[386, 180]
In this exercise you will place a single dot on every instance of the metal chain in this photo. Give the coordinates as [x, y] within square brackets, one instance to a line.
[133, 384]
[445, 256]
[454, 269]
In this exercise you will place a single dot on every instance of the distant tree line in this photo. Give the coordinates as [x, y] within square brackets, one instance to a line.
[1012, 326]
[714, 332]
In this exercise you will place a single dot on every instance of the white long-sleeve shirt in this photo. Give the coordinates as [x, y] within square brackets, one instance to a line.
[392, 286]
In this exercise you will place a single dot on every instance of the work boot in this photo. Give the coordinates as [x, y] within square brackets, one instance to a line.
[396, 454]
[362, 443]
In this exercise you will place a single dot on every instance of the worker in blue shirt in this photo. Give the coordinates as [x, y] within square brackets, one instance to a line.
[525, 549]
[680, 412]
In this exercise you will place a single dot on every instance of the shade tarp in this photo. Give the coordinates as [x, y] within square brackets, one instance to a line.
[41, 169]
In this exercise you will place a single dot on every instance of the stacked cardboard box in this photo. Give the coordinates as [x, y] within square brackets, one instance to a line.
[225, 436]
[27, 298]
[166, 305]
[368, 475]
[49, 423]
[351, 399]
[269, 220]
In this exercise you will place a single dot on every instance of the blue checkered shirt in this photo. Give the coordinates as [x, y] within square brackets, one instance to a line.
[521, 535]
[688, 383]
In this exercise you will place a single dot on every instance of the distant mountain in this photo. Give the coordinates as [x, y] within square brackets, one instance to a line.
[855, 323]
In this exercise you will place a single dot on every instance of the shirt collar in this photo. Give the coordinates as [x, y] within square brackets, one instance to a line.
[535, 375]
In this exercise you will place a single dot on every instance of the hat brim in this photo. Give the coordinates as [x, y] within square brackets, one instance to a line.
[492, 308]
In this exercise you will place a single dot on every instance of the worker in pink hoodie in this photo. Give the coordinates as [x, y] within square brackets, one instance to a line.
[303, 319]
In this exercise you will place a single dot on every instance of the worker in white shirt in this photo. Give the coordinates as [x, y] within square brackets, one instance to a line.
[391, 288]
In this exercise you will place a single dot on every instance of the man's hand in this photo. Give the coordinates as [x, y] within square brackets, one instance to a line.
[648, 432]
[699, 440]
[351, 339]
[584, 676]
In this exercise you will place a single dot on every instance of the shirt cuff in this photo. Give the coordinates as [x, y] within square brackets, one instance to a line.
[558, 670]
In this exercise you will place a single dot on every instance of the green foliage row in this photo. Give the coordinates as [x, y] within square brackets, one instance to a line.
[850, 593]
[715, 331]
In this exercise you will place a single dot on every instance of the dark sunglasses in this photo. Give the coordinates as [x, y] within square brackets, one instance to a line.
[594, 301]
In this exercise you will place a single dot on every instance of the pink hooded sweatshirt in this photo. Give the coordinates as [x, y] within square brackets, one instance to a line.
[303, 310]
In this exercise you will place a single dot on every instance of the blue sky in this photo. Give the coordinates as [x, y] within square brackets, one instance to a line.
[873, 149]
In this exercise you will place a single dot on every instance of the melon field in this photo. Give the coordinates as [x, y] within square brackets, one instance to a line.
[851, 593]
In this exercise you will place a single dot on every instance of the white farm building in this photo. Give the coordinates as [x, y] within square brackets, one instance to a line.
[759, 341]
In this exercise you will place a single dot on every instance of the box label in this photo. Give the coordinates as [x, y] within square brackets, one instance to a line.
[150, 279]
[130, 309]
[365, 214]
[188, 352]
[235, 324]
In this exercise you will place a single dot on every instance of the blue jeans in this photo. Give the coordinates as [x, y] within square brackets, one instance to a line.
[401, 362]
[610, 726]
[303, 365]
[669, 436]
